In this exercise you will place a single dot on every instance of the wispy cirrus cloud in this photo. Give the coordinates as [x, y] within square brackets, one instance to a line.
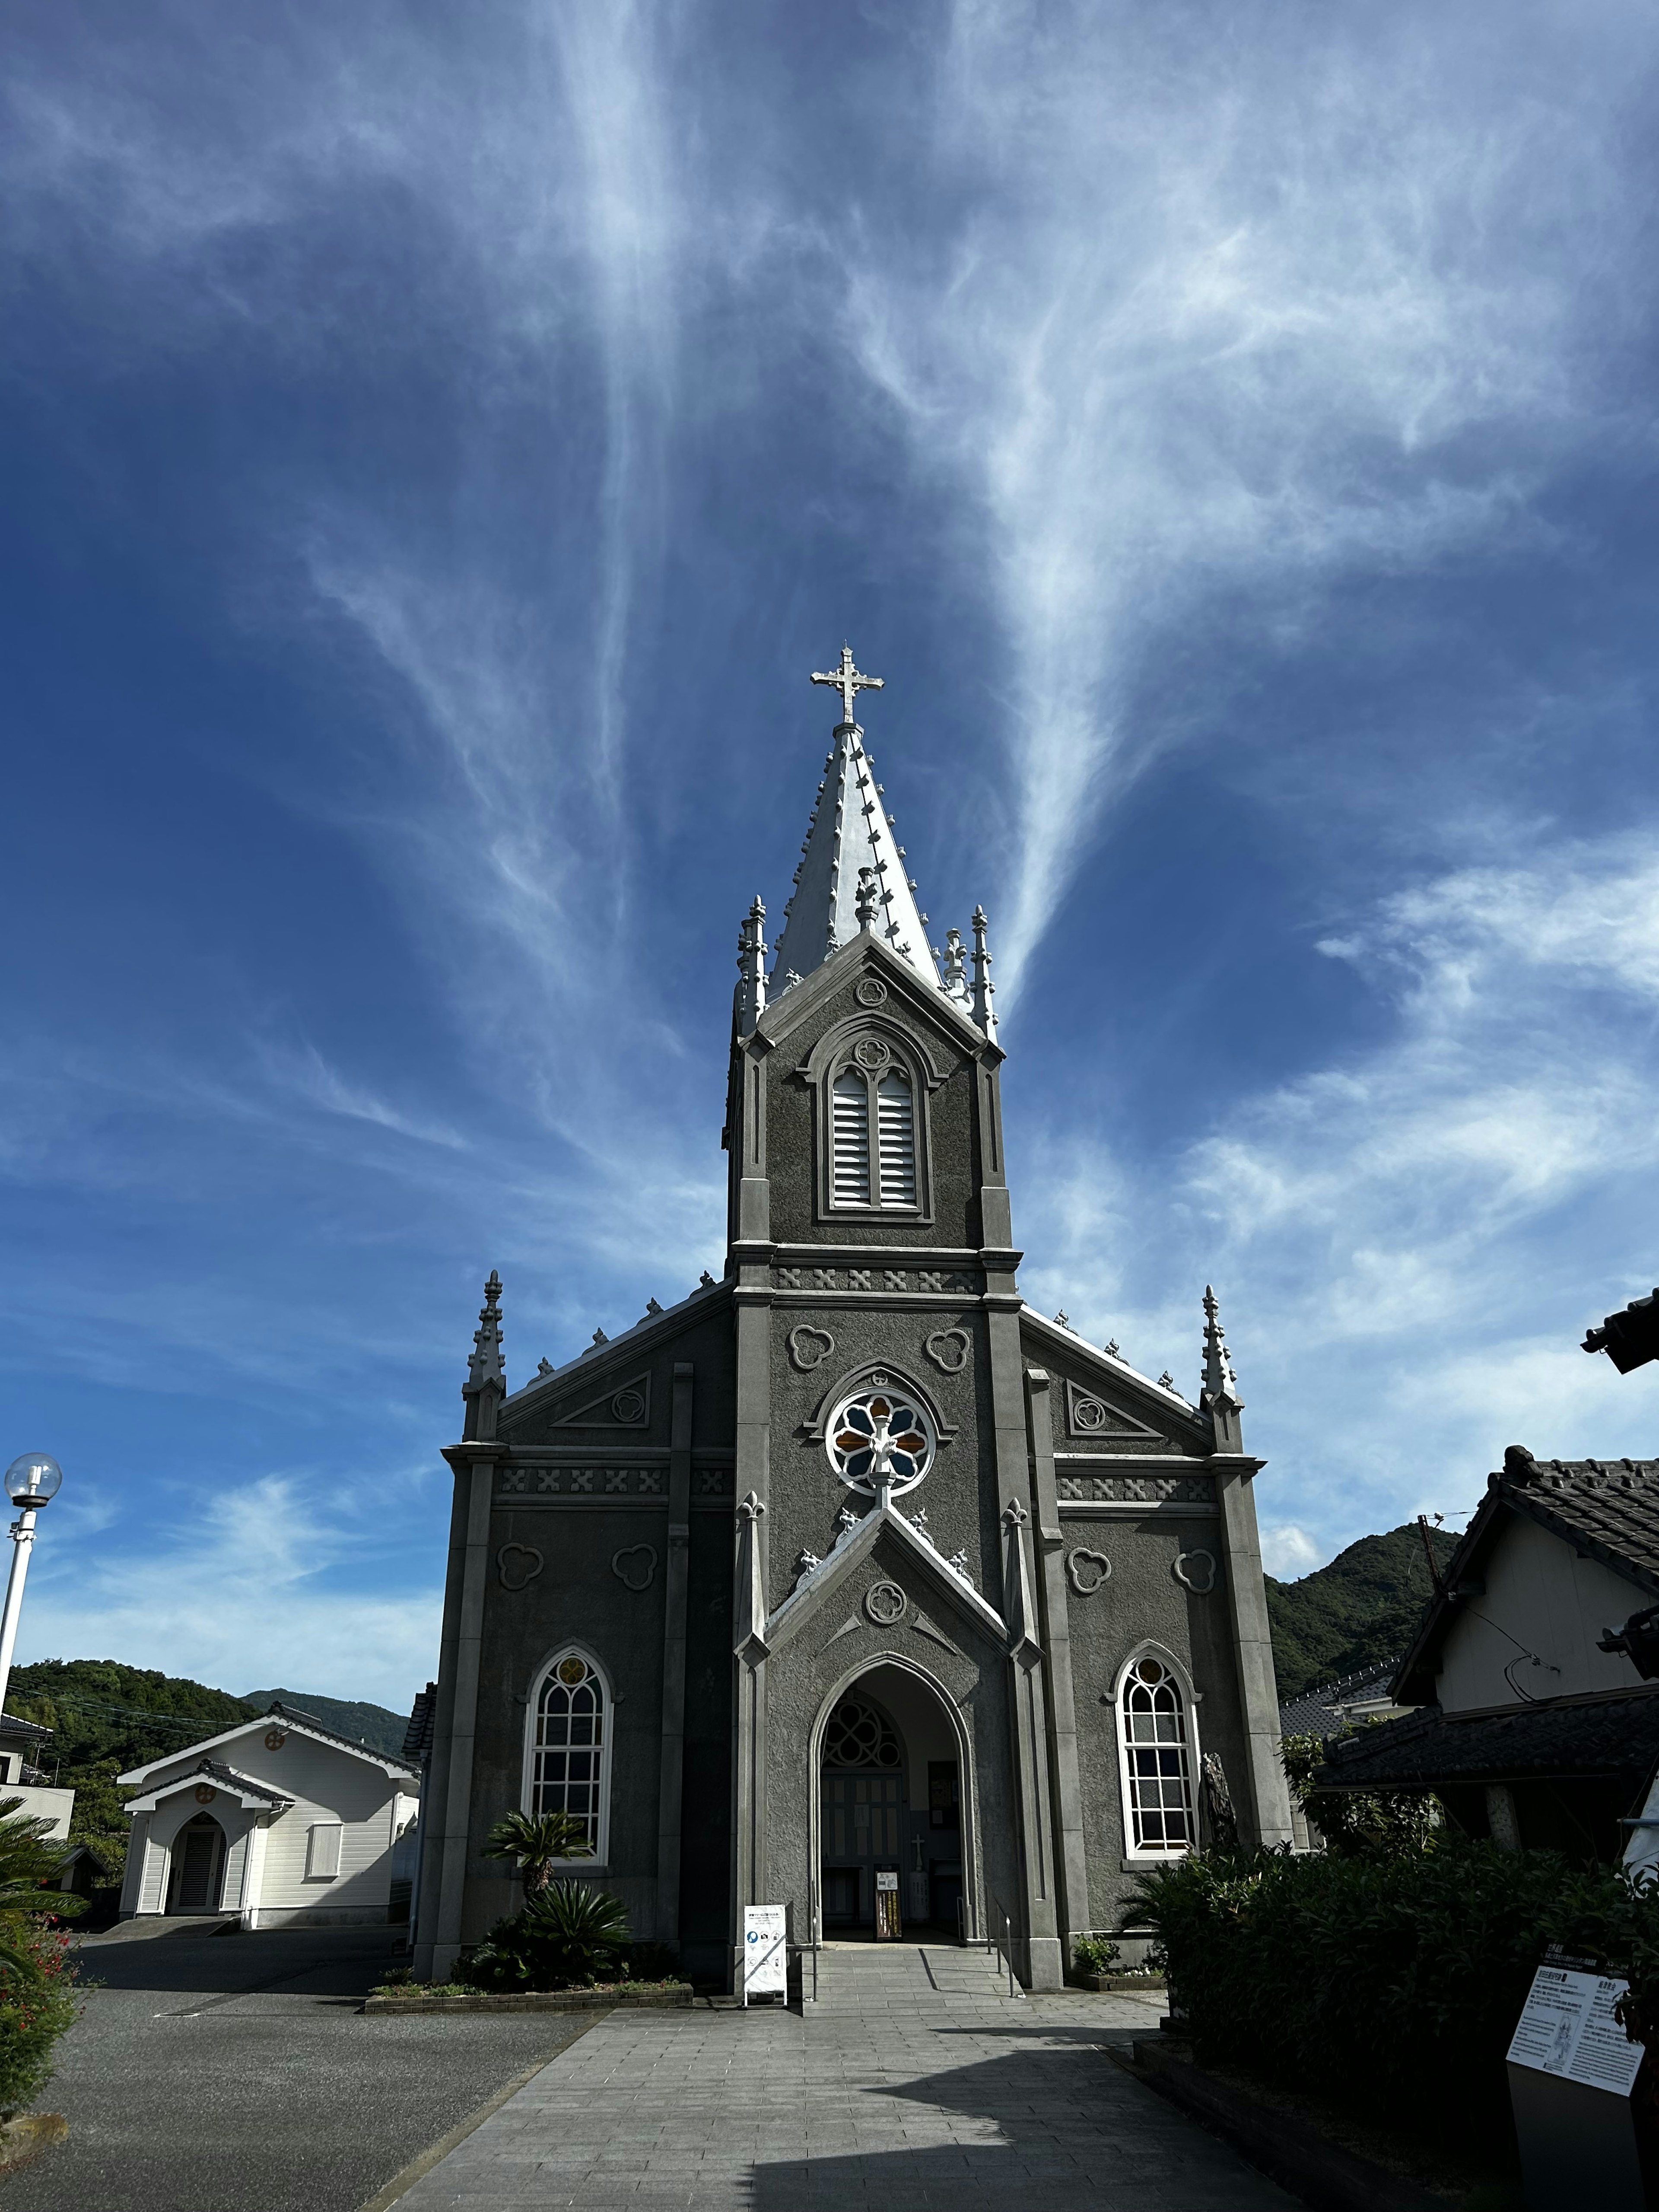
[1218, 319]
[1409, 1243]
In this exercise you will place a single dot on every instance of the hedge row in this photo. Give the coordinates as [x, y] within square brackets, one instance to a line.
[1394, 1976]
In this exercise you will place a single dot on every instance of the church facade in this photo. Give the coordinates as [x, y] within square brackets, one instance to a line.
[851, 1583]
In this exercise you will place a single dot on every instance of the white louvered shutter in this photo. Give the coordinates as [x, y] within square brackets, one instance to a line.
[323, 1851]
[896, 1133]
[849, 1139]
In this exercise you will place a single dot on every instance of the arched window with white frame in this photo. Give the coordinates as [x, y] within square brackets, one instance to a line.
[875, 1148]
[568, 1762]
[1157, 1754]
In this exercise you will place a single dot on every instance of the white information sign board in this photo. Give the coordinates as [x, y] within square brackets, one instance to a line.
[765, 1952]
[1567, 2027]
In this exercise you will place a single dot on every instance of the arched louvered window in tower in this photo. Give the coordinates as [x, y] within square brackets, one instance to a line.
[850, 1139]
[895, 1140]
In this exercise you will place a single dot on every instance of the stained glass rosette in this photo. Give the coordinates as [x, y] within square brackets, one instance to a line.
[878, 1434]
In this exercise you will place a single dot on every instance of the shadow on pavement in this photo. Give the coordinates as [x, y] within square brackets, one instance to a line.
[344, 1962]
[1070, 2129]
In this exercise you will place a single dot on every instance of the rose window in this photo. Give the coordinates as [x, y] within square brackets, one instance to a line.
[881, 1436]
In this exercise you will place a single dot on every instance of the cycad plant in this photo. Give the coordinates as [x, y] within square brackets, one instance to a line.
[37, 2001]
[28, 1864]
[538, 1841]
[567, 1936]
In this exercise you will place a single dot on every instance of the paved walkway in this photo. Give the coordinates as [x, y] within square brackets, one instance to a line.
[915, 2080]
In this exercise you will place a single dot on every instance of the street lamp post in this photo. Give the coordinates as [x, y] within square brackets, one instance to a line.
[31, 1482]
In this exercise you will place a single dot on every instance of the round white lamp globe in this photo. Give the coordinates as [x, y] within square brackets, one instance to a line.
[32, 1479]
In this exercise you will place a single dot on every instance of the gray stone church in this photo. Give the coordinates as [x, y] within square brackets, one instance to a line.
[850, 1565]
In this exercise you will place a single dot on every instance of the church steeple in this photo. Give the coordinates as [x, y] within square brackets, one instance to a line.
[850, 838]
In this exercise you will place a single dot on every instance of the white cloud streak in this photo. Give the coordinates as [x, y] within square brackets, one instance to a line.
[1408, 1243]
[1229, 307]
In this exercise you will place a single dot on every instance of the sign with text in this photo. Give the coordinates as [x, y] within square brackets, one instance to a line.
[765, 1952]
[1567, 2027]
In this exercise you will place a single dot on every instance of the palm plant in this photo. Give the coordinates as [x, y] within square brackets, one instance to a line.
[538, 1841]
[567, 1936]
[28, 1868]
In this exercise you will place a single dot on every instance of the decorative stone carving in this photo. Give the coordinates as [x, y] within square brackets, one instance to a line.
[871, 1052]
[1137, 1489]
[957, 1564]
[628, 1406]
[518, 1566]
[810, 1348]
[1088, 1414]
[634, 1566]
[871, 992]
[885, 1604]
[1196, 1570]
[1087, 1571]
[948, 1349]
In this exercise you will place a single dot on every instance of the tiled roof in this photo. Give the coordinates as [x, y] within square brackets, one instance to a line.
[1613, 1734]
[310, 1722]
[13, 1725]
[423, 1719]
[1324, 1712]
[232, 1780]
[1605, 1509]
[1608, 1506]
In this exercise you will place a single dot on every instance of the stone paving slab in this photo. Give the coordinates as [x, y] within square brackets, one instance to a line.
[915, 2081]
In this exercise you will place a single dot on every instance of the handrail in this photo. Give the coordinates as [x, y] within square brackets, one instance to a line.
[1005, 1943]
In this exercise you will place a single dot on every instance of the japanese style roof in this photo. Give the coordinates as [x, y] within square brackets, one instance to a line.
[290, 1717]
[1329, 1710]
[1608, 1734]
[15, 1726]
[1606, 1510]
[422, 1722]
[244, 1786]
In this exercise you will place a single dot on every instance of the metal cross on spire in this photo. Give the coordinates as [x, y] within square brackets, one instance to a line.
[849, 681]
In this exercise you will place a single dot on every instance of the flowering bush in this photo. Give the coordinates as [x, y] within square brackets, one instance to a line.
[37, 2003]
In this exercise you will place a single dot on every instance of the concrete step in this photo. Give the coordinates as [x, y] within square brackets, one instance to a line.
[854, 1975]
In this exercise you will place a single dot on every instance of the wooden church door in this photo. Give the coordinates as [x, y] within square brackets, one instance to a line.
[197, 1865]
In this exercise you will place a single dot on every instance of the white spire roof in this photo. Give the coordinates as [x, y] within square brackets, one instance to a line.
[850, 831]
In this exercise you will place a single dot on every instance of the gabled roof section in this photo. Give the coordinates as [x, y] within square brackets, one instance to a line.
[1059, 1347]
[1611, 1734]
[608, 1353]
[816, 1588]
[1606, 1510]
[850, 831]
[249, 1792]
[292, 1722]
[793, 1004]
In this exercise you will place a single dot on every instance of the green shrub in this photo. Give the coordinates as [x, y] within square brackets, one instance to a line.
[1402, 1973]
[1095, 1954]
[567, 1937]
[1358, 1820]
[37, 1999]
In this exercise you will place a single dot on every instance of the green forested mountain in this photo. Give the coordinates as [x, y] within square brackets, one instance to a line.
[106, 1718]
[1361, 1610]
[374, 1725]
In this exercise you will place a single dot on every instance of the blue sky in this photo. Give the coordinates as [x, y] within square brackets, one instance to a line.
[437, 445]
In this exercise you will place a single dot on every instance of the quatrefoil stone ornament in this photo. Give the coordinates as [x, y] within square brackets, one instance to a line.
[871, 1052]
[885, 1603]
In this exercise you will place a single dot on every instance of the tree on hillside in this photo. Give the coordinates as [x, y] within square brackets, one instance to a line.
[1361, 1610]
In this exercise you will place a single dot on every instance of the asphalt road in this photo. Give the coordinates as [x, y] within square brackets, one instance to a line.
[214, 2074]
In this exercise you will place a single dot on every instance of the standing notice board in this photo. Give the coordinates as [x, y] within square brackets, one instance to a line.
[765, 1952]
[1571, 2070]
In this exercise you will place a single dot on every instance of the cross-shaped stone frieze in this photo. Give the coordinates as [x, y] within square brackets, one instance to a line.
[849, 682]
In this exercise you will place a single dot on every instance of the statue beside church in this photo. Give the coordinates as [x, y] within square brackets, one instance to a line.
[850, 1584]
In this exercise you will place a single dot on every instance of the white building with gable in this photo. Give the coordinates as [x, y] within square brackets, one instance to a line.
[280, 1821]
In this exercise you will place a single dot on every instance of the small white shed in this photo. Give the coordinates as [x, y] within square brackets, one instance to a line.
[280, 1821]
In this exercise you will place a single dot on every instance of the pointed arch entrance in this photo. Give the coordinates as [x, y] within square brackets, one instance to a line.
[893, 1796]
[198, 1879]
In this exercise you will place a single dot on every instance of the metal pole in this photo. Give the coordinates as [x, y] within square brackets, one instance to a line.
[1008, 1932]
[22, 1537]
